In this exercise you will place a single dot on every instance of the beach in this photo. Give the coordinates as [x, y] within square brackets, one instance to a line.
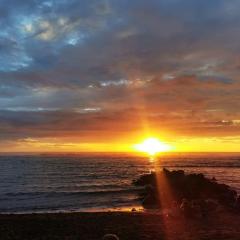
[221, 225]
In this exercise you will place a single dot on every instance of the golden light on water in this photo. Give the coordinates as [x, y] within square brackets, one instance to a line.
[152, 146]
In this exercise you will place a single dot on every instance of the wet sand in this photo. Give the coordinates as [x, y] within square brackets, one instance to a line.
[127, 225]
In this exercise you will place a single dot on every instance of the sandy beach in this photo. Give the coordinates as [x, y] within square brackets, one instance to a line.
[127, 225]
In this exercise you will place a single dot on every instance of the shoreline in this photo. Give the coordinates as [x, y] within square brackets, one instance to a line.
[126, 209]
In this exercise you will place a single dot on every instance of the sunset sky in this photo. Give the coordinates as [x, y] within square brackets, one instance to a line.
[102, 75]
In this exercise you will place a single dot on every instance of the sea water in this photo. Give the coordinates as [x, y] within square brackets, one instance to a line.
[66, 183]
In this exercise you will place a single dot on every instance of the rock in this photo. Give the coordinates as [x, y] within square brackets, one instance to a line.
[164, 187]
[237, 204]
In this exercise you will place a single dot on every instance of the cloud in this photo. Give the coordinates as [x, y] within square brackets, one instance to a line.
[174, 63]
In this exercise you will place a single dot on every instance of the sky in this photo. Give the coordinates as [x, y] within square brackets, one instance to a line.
[101, 75]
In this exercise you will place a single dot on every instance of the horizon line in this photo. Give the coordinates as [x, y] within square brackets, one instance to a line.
[108, 152]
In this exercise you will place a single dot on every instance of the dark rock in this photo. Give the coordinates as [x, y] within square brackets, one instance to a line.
[164, 187]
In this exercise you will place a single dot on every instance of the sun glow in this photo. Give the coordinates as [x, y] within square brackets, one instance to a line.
[152, 146]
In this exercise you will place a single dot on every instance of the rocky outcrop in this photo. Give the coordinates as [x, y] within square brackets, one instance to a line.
[167, 187]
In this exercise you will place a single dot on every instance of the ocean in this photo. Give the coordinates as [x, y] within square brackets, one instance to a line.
[99, 182]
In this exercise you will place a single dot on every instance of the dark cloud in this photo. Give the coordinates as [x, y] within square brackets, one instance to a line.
[163, 57]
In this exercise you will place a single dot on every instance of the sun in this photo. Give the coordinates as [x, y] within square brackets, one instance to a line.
[152, 146]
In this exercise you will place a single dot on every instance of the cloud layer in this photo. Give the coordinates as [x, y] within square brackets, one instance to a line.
[78, 68]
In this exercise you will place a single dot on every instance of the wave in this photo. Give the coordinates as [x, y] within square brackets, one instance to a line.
[83, 206]
[73, 193]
